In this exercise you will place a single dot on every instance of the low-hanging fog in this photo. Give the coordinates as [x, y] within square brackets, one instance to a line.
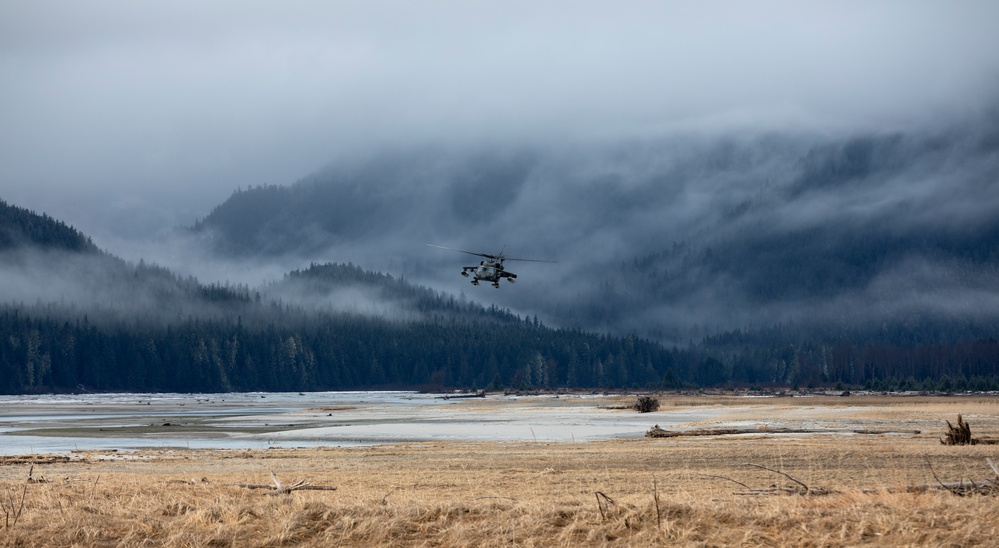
[661, 236]
[691, 167]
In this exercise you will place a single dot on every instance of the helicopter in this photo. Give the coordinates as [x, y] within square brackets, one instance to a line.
[491, 269]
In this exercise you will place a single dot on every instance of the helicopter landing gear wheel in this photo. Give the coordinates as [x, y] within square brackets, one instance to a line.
[463, 273]
[496, 285]
[475, 282]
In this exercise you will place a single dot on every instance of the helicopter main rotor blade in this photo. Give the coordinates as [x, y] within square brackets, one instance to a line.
[499, 257]
[486, 255]
[528, 260]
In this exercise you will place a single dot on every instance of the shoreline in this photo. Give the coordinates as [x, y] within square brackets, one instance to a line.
[128, 422]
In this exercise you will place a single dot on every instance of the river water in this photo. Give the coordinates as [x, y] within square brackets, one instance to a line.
[64, 423]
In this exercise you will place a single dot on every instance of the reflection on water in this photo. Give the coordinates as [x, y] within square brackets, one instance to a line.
[63, 423]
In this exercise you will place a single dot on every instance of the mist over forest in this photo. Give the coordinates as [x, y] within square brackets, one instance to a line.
[673, 238]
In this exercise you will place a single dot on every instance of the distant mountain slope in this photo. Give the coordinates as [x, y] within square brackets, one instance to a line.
[20, 227]
[388, 195]
[47, 263]
[50, 262]
[671, 238]
[349, 288]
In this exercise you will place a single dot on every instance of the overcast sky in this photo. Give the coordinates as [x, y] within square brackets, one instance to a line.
[147, 114]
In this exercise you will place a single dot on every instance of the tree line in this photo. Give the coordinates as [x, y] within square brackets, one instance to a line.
[314, 351]
[296, 350]
[932, 355]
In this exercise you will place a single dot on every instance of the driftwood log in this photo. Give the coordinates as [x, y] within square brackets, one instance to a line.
[479, 394]
[282, 489]
[657, 432]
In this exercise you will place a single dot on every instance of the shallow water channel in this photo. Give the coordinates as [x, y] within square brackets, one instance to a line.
[64, 423]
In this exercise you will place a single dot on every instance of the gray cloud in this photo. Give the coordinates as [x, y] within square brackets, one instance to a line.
[139, 116]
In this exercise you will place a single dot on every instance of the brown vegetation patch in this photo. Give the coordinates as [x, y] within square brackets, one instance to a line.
[332, 408]
[639, 492]
[10, 460]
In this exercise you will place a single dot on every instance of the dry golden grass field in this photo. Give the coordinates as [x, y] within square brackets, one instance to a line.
[687, 490]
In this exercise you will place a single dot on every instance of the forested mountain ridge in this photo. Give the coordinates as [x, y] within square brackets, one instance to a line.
[109, 325]
[51, 265]
[348, 287]
[20, 227]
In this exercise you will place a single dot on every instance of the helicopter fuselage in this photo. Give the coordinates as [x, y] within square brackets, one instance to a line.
[488, 271]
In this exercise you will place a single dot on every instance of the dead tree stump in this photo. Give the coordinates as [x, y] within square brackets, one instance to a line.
[958, 435]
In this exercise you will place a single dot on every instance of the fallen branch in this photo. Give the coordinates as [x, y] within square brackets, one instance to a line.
[280, 488]
[934, 472]
[385, 498]
[774, 490]
[607, 502]
[727, 478]
[655, 497]
[785, 474]
[959, 488]
[786, 490]
[40, 479]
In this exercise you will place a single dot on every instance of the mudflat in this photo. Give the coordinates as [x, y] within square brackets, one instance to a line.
[822, 471]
